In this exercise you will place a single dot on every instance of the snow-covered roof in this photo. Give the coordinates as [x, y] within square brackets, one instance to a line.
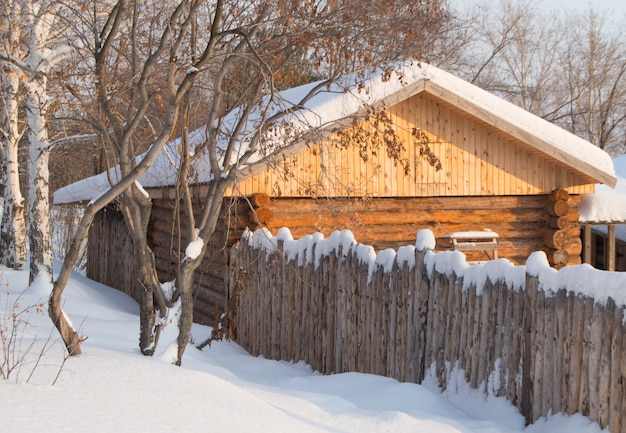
[332, 105]
[607, 205]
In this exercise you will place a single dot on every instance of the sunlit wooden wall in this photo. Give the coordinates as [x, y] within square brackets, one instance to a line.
[476, 160]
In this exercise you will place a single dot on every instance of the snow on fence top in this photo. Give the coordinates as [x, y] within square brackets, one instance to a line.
[581, 280]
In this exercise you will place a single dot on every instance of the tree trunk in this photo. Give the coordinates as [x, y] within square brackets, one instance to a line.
[206, 224]
[184, 284]
[13, 229]
[136, 208]
[69, 335]
[39, 195]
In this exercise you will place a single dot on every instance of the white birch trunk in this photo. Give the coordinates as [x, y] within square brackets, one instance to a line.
[39, 20]
[40, 241]
[13, 229]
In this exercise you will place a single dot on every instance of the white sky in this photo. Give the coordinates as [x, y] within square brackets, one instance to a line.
[611, 7]
[617, 7]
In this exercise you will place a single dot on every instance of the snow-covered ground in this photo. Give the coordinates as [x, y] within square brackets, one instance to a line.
[112, 388]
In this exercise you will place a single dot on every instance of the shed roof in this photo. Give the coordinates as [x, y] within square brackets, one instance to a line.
[333, 107]
[607, 205]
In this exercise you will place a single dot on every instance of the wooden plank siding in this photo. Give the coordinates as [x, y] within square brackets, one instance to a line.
[110, 258]
[476, 159]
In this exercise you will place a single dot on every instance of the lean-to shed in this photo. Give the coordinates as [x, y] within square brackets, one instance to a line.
[509, 182]
[603, 222]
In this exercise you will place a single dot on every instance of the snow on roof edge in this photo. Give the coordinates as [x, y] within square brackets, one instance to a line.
[606, 205]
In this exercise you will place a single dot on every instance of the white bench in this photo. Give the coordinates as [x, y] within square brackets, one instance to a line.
[484, 240]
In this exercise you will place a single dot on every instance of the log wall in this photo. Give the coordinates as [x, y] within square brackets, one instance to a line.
[563, 241]
[546, 352]
[524, 224]
[167, 237]
[520, 221]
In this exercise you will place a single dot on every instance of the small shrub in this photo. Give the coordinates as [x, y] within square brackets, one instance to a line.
[19, 352]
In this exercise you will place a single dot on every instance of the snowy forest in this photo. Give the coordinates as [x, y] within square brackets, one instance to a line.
[89, 85]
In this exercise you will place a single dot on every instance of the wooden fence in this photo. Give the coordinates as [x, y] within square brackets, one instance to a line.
[514, 330]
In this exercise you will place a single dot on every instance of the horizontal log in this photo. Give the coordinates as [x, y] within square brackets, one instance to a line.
[574, 201]
[574, 260]
[206, 276]
[207, 292]
[409, 205]
[261, 216]
[235, 220]
[160, 238]
[558, 195]
[160, 230]
[573, 215]
[259, 199]
[558, 222]
[558, 239]
[206, 313]
[576, 247]
[476, 219]
[382, 232]
[558, 208]
[165, 209]
[237, 207]
[557, 257]
[167, 226]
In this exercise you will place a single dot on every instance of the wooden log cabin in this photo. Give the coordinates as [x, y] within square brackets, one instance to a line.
[500, 169]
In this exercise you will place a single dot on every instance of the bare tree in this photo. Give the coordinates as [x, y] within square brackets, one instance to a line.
[520, 48]
[593, 63]
[238, 132]
[249, 50]
[566, 68]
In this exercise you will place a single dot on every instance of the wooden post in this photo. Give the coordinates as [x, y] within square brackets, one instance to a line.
[611, 251]
[528, 359]
[587, 242]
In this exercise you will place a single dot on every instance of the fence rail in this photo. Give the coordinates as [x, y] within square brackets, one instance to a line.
[519, 332]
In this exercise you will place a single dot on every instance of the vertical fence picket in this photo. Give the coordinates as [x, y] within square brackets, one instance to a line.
[577, 345]
[392, 301]
[583, 405]
[622, 373]
[595, 360]
[547, 338]
[528, 346]
[484, 332]
[616, 381]
[604, 375]
[501, 351]
[538, 354]
[422, 290]
[559, 386]
[363, 360]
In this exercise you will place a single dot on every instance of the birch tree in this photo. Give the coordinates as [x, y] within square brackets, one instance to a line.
[13, 228]
[41, 19]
